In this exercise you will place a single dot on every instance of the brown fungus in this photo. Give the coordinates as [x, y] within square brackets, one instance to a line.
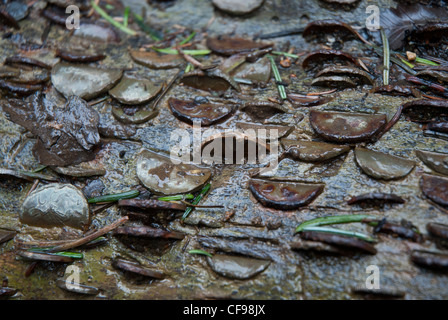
[312, 151]
[36, 76]
[24, 60]
[334, 81]
[424, 110]
[261, 110]
[434, 160]
[159, 174]
[7, 292]
[374, 198]
[405, 230]
[321, 55]
[84, 81]
[284, 195]
[236, 267]
[155, 60]
[55, 205]
[264, 131]
[431, 31]
[435, 73]
[133, 91]
[84, 169]
[435, 188]
[72, 55]
[380, 165]
[206, 113]
[229, 46]
[438, 126]
[6, 235]
[395, 90]
[346, 127]
[301, 100]
[316, 29]
[55, 14]
[236, 7]
[132, 267]
[148, 232]
[8, 20]
[19, 89]
[213, 80]
[437, 229]
[258, 72]
[65, 136]
[320, 247]
[343, 241]
[234, 148]
[429, 259]
[142, 115]
[355, 74]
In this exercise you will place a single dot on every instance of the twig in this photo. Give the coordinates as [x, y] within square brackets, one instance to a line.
[431, 85]
[102, 207]
[33, 187]
[167, 88]
[193, 61]
[210, 22]
[321, 93]
[391, 123]
[90, 237]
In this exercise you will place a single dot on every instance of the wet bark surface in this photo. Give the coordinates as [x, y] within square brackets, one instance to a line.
[243, 227]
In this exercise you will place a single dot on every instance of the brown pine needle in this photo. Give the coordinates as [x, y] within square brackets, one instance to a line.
[90, 237]
[193, 61]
